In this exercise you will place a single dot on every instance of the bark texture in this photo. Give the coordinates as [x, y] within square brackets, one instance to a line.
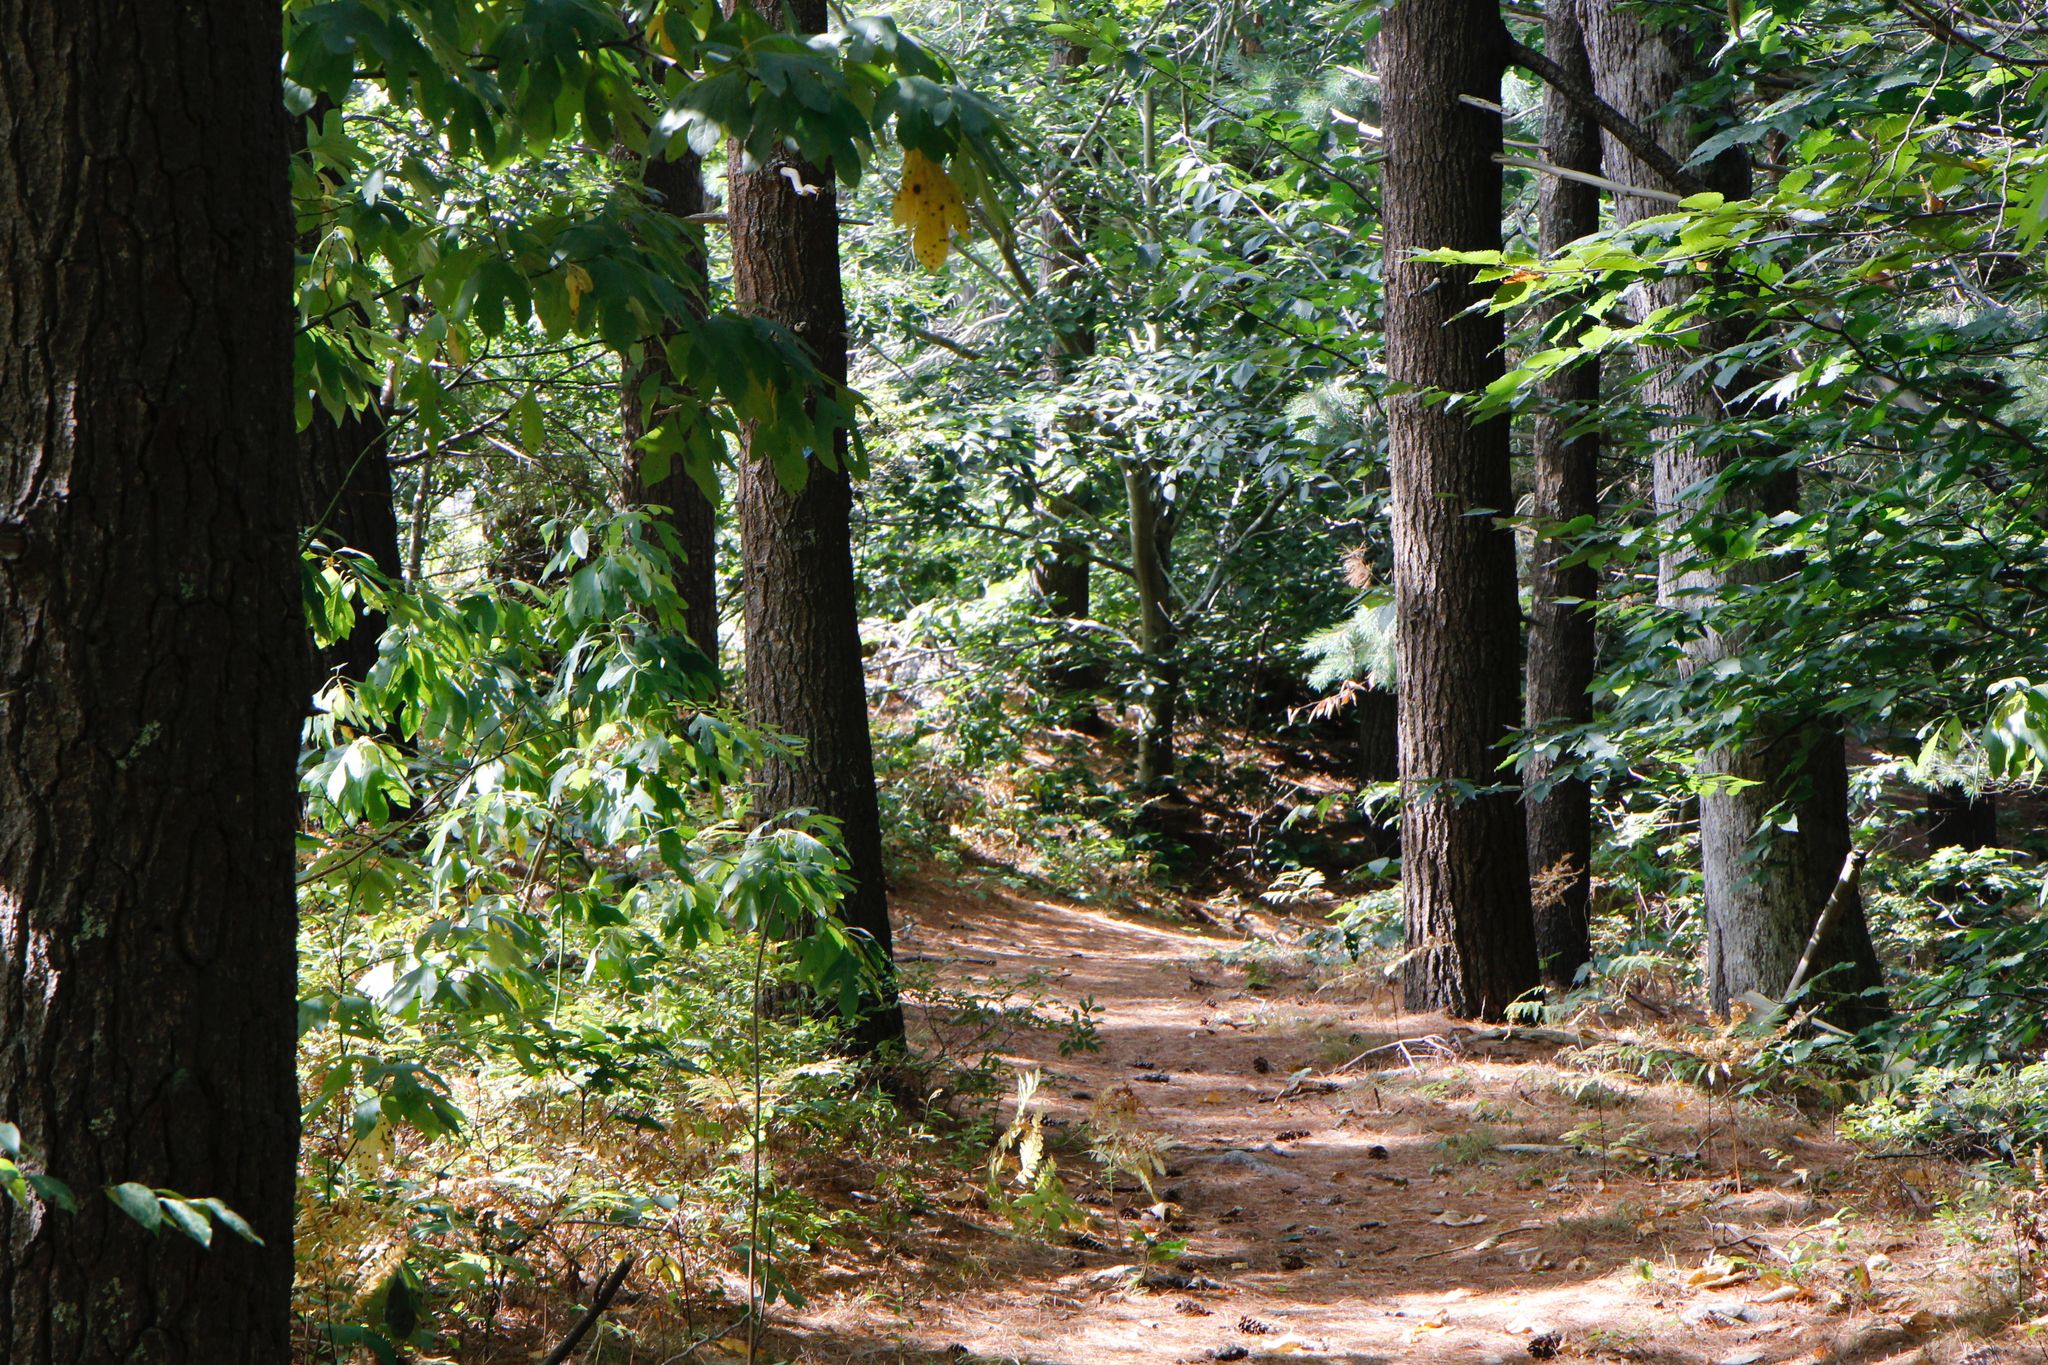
[345, 472]
[1152, 526]
[1850, 991]
[677, 183]
[152, 667]
[1464, 868]
[1566, 485]
[1956, 819]
[1764, 886]
[804, 672]
[345, 483]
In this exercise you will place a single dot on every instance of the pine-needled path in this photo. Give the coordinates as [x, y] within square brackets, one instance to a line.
[1451, 1195]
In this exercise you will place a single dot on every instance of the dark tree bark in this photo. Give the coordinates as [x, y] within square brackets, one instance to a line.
[348, 502]
[152, 668]
[1559, 669]
[345, 472]
[1956, 819]
[804, 672]
[1850, 993]
[1152, 528]
[1764, 886]
[1464, 870]
[1379, 743]
[678, 184]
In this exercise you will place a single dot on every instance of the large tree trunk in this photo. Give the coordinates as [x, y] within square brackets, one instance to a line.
[1566, 487]
[1764, 885]
[152, 667]
[678, 183]
[1464, 869]
[804, 672]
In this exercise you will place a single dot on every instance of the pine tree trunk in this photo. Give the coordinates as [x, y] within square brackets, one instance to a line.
[1764, 886]
[678, 183]
[1464, 871]
[1566, 487]
[152, 670]
[803, 668]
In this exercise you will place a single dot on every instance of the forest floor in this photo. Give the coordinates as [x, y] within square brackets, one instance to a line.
[1452, 1194]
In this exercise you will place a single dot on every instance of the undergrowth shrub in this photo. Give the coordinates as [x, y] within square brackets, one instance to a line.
[542, 949]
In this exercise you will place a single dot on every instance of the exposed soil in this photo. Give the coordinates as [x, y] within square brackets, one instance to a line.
[1451, 1195]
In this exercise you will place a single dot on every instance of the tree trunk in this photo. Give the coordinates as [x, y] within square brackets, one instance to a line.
[1566, 486]
[1464, 872]
[1379, 736]
[1060, 574]
[1764, 886]
[152, 669]
[678, 183]
[1851, 993]
[349, 504]
[1956, 819]
[1158, 637]
[803, 669]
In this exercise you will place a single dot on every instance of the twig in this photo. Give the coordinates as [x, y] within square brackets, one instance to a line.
[1435, 1041]
[965, 352]
[607, 1290]
[1637, 998]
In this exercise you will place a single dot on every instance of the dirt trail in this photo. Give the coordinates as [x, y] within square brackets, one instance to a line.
[1425, 1205]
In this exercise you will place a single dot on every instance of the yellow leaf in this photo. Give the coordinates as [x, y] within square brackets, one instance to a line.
[929, 204]
[578, 282]
[657, 36]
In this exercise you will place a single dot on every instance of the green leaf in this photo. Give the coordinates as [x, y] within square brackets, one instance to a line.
[138, 1202]
[187, 1220]
[229, 1219]
[55, 1191]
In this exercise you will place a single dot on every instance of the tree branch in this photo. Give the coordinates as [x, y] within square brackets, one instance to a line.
[607, 1290]
[1644, 147]
[1530, 163]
